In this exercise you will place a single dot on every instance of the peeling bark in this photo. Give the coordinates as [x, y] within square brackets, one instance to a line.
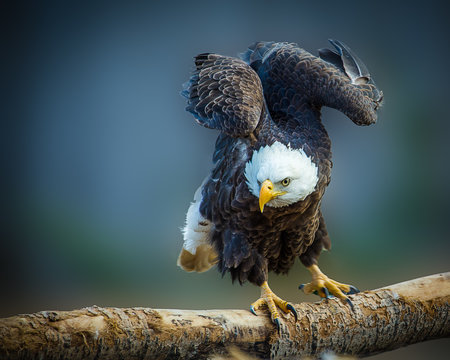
[383, 319]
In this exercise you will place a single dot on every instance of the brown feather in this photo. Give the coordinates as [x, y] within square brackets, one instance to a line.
[276, 96]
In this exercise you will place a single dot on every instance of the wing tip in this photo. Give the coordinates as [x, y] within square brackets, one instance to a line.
[352, 65]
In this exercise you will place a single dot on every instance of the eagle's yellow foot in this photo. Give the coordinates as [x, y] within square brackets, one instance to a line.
[272, 301]
[323, 286]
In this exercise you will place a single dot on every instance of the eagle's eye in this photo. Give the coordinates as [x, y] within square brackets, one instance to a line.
[286, 182]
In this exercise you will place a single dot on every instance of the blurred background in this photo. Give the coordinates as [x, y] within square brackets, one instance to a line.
[101, 160]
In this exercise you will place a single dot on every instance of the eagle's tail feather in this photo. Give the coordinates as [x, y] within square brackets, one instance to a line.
[197, 253]
[203, 259]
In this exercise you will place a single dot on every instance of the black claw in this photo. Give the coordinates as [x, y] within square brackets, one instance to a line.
[293, 311]
[316, 293]
[277, 323]
[301, 286]
[252, 310]
[353, 290]
[326, 292]
[350, 303]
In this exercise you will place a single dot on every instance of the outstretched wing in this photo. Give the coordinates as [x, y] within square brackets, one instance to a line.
[224, 93]
[296, 81]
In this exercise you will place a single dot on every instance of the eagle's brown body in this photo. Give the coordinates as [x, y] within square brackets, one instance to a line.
[250, 243]
[275, 94]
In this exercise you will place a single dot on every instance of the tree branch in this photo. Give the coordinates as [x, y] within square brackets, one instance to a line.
[383, 319]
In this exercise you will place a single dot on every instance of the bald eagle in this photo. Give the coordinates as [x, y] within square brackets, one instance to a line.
[259, 209]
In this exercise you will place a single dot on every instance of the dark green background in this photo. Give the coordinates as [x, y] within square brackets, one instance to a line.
[101, 160]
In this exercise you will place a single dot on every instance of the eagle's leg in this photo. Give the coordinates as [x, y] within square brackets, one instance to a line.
[269, 298]
[323, 286]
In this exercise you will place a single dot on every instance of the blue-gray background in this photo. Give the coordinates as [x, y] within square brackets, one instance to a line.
[102, 160]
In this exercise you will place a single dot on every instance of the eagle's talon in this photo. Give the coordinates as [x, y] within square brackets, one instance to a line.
[291, 308]
[353, 290]
[272, 301]
[348, 301]
[277, 323]
[326, 293]
[327, 288]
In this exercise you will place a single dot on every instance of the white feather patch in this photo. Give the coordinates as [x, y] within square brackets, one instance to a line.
[197, 230]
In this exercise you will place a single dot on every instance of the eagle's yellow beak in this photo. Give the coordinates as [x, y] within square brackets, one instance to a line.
[267, 193]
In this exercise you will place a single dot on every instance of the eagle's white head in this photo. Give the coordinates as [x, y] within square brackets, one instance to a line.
[279, 175]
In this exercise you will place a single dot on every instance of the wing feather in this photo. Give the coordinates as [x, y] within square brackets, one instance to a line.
[337, 79]
[346, 60]
[225, 93]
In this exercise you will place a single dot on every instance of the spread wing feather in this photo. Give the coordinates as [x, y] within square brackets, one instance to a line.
[296, 82]
[224, 93]
[347, 61]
